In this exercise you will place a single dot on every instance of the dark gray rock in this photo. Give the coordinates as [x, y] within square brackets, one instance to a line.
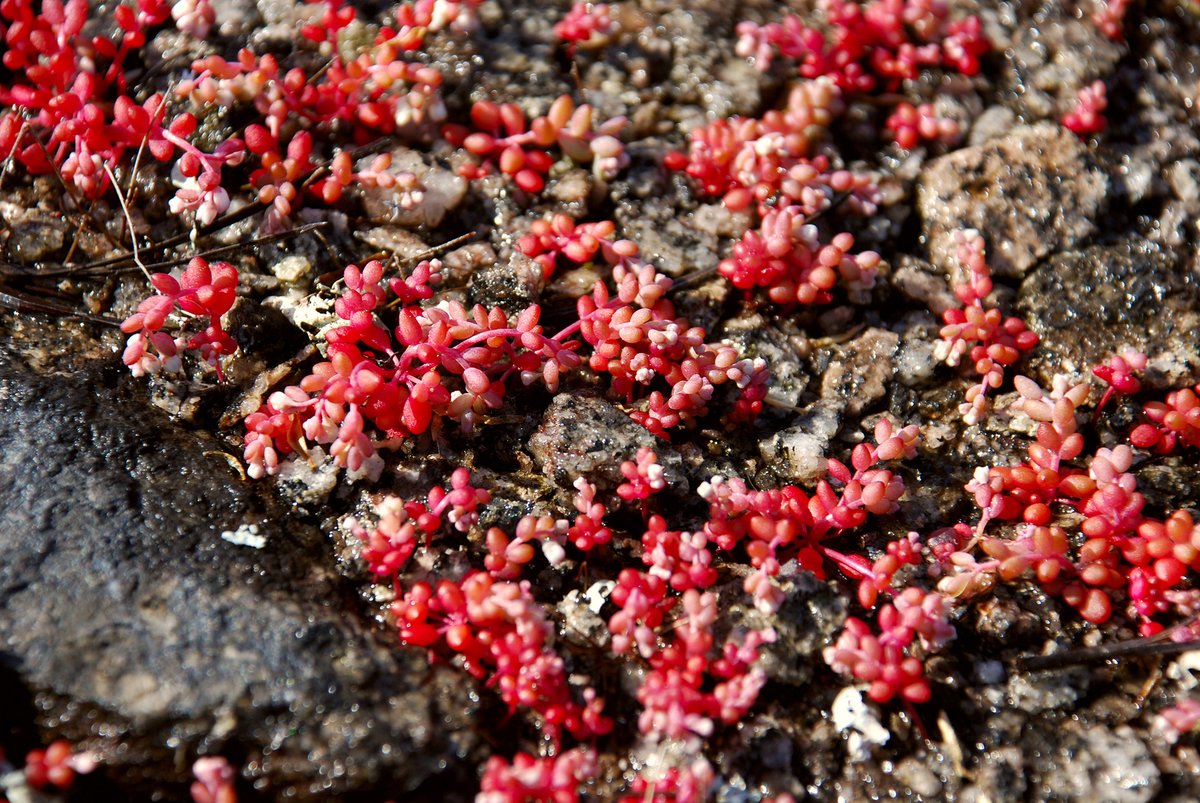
[512, 287]
[151, 638]
[922, 283]
[265, 337]
[800, 452]
[33, 235]
[440, 192]
[703, 69]
[1000, 774]
[1072, 761]
[1087, 305]
[1054, 56]
[648, 212]
[858, 372]
[1031, 194]
[782, 343]
[809, 619]
[586, 436]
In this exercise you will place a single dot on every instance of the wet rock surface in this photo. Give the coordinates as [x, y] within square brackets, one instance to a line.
[585, 436]
[1032, 193]
[860, 371]
[1054, 56]
[131, 617]
[1088, 304]
[1081, 761]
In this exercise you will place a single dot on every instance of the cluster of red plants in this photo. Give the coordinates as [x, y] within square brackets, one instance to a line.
[1088, 115]
[206, 291]
[447, 361]
[1127, 553]
[875, 48]
[346, 101]
[877, 45]
[786, 523]
[501, 137]
[689, 687]
[53, 770]
[584, 22]
[499, 632]
[769, 164]
[984, 335]
[78, 119]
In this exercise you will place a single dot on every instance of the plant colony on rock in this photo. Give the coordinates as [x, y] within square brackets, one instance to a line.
[402, 358]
